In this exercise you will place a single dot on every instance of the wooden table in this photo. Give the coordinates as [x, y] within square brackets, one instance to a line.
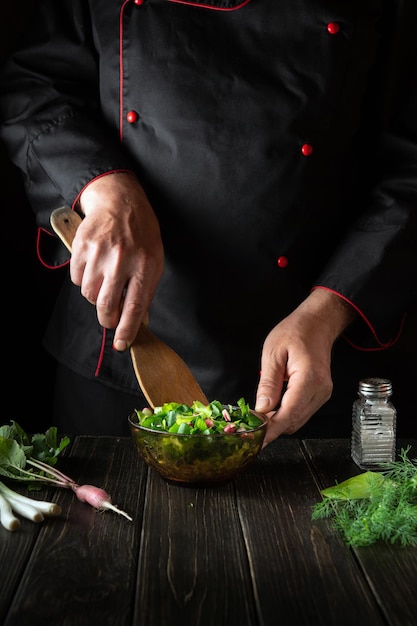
[244, 554]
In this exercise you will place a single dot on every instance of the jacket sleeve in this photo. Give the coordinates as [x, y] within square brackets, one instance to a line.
[52, 125]
[375, 265]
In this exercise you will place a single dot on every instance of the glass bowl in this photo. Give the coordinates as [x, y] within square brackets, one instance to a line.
[198, 459]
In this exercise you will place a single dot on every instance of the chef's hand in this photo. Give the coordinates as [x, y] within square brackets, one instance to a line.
[298, 351]
[117, 253]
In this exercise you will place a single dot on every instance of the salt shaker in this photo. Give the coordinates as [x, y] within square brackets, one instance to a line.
[374, 420]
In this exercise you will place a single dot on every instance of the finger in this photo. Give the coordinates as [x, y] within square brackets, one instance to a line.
[91, 287]
[299, 403]
[269, 390]
[282, 422]
[133, 311]
[85, 272]
[89, 282]
[111, 298]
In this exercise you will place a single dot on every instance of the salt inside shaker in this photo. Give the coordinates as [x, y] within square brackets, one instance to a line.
[373, 424]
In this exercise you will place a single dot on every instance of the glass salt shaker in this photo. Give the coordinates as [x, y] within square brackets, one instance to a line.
[373, 424]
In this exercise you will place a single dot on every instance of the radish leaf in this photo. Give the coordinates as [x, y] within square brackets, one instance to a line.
[16, 447]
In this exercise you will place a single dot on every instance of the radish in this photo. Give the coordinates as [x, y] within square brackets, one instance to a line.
[226, 415]
[98, 498]
[95, 496]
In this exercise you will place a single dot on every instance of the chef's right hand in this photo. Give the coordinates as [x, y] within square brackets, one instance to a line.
[117, 253]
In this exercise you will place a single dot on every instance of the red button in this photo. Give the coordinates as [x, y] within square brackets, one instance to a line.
[282, 261]
[139, 2]
[333, 28]
[307, 149]
[132, 117]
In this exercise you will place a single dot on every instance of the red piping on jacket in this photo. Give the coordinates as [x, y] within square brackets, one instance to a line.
[104, 334]
[209, 6]
[381, 346]
[42, 230]
[101, 355]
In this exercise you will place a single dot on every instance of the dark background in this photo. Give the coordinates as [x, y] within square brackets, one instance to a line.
[28, 289]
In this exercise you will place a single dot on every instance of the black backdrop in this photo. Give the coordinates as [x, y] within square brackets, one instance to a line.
[28, 289]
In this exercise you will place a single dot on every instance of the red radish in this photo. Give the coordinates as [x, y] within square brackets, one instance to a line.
[98, 498]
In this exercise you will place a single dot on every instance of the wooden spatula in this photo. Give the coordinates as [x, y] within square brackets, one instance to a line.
[162, 374]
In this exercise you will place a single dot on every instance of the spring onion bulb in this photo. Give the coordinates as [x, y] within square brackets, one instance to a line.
[7, 519]
[33, 510]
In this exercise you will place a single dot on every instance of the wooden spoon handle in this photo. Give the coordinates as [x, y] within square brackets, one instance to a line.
[65, 222]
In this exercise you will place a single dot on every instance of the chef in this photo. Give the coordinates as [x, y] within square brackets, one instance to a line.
[247, 176]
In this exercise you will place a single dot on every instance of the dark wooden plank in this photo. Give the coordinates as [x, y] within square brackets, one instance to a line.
[83, 566]
[193, 566]
[15, 549]
[303, 573]
[391, 570]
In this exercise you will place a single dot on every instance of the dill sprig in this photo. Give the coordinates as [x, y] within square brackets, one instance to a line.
[375, 506]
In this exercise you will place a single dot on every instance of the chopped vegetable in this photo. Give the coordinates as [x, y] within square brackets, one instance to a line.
[375, 506]
[201, 444]
[199, 419]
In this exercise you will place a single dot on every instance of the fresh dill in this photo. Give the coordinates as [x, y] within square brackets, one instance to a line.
[375, 506]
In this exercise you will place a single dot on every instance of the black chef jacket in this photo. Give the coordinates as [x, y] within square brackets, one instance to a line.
[276, 141]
